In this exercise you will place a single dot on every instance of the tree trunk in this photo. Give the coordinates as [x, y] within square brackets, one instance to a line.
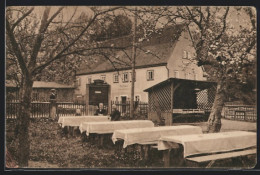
[23, 123]
[214, 121]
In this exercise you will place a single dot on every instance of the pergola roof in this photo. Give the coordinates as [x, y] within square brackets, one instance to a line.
[192, 83]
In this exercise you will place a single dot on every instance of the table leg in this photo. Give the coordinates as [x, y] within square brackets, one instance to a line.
[166, 157]
[146, 149]
[101, 139]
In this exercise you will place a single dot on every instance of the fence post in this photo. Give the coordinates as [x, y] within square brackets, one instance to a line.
[53, 109]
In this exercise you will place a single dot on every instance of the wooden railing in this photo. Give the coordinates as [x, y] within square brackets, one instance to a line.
[240, 112]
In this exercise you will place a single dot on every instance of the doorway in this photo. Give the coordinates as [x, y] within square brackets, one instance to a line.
[123, 100]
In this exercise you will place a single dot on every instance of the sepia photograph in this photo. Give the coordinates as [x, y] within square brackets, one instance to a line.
[139, 87]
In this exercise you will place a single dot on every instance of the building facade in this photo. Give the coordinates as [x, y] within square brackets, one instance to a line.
[174, 60]
[41, 91]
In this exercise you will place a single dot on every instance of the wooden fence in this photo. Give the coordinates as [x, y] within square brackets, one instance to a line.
[38, 109]
[69, 108]
[240, 112]
[42, 109]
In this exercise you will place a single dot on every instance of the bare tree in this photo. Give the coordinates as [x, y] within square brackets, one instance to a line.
[228, 54]
[37, 44]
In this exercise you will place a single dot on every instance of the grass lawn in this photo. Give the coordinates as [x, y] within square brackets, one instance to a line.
[51, 148]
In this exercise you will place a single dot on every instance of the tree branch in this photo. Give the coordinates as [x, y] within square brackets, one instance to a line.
[224, 24]
[21, 18]
[39, 38]
[16, 49]
[59, 55]
[193, 19]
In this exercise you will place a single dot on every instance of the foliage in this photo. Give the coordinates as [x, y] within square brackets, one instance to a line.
[112, 27]
[226, 50]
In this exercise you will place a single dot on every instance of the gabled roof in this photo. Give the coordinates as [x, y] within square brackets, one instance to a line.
[154, 52]
[41, 84]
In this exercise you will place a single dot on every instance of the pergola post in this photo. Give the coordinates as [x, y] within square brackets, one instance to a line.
[172, 93]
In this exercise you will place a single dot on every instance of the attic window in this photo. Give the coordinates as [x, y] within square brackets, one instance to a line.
[176, 74]
[195, 76]
[185, 54]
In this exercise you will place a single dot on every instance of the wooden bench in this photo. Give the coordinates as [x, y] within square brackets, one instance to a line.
[213, 157]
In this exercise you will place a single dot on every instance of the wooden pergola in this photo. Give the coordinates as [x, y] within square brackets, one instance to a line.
[180, 96]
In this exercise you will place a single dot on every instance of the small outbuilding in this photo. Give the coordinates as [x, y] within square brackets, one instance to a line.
[179, 96]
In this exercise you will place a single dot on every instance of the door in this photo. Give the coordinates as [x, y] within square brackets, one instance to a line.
[123, 100]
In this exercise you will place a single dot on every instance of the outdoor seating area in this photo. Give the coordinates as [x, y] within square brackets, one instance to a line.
[180, 145]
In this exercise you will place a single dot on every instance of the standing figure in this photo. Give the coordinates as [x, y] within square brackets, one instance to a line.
[115, 114]
[53, 94]
[100, 110]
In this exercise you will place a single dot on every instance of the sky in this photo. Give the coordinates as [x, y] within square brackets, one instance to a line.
[234, 18]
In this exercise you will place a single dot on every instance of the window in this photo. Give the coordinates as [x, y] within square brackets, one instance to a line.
[116, 79]
[185, 54]
[195, 76]
[125, 77]
[89, 80]
[116, 98]
[137, 98]
[176, 74]
[103, 77]
[189, 76]
[186, 75]
[150, 75]
[188, 55]
[78, 81]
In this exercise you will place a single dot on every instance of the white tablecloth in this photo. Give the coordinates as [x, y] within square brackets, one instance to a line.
[151, 135]
[76, 120]
[110, 127]
[210, 143]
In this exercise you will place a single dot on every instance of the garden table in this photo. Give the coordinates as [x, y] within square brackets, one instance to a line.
[151, 135]
[110, 127]
[77, 120]
[207, 143]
